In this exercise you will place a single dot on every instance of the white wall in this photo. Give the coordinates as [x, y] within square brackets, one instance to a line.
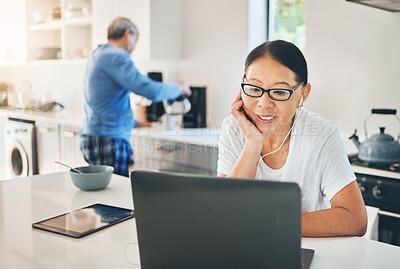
[59, 82]
[215, 47]
[353, 53]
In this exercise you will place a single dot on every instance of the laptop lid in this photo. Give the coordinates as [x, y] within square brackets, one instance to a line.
[191, 221]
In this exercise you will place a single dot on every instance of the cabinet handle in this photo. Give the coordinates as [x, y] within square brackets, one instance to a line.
[70, 134]
[44, 130]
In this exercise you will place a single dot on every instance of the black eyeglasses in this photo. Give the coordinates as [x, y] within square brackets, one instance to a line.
[277, 94]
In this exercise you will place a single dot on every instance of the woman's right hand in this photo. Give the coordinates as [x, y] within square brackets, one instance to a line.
[252, 133]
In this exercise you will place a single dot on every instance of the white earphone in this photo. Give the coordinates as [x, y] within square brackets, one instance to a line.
[269, 153]
[301, 103]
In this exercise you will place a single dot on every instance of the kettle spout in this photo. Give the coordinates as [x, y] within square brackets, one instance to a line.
[354, 138]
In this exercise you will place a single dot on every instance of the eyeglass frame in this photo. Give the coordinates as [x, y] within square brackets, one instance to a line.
[291, 91]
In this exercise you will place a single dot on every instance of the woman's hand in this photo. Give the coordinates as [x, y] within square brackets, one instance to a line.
[250, 155]
[252, 133]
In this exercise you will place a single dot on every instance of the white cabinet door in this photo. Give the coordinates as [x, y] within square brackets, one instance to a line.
[48, 147]
[70, 152]
[12, 32]
[158, 22]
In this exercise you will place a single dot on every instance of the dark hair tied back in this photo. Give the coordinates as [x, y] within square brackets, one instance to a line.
[284, 52]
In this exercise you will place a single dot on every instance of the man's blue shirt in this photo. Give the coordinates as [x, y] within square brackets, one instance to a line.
[110, 77]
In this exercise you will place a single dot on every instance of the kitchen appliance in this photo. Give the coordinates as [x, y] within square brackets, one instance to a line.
[197, 115]
[178, 106]
[380, 148]
[380, 187]
[174, 109]
[388, 5]
[20, 148]
[156, 109]
[377, 168]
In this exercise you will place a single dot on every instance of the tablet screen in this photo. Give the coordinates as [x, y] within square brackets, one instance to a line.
[86, 220]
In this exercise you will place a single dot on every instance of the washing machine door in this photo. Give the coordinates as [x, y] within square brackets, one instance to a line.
[18, 160]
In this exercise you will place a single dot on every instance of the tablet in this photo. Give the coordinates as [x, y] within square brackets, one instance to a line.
[84, 221]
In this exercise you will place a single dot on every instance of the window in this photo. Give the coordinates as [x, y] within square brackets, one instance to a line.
[286, 21]
[276, 19]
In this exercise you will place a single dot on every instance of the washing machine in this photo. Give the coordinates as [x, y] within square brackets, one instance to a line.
[20, 148]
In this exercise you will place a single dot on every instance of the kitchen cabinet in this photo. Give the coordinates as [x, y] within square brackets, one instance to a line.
[160, 34]
[48, 147]
[12, 35]
[69, 146]
[44, 31]
[174, 156]
[57, 138]
[58, 29]
[57, 142]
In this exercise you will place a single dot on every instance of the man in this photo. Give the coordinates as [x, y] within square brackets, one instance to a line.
[110, 77]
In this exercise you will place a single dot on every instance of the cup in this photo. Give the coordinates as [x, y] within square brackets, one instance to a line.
[168, 122]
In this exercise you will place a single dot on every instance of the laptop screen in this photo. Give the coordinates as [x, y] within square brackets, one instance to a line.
[191, 221]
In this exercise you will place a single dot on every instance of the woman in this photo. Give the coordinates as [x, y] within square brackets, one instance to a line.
[270, 136]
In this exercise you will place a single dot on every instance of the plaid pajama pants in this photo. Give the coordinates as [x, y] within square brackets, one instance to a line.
[107, 151]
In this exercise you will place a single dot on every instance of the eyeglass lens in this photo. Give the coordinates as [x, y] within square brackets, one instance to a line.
[277, 94]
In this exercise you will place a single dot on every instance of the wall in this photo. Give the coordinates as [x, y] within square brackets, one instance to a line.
[60, 82]
[215, 47]
[353, 52]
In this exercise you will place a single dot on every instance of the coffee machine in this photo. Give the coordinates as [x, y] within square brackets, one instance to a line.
[195, 118]
[197, 115]
[156, 109]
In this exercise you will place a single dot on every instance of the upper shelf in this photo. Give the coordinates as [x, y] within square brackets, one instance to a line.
[58, 24]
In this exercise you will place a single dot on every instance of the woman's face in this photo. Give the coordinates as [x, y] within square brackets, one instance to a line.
[268, 115]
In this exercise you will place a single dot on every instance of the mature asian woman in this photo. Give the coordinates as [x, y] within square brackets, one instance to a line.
[271, 136]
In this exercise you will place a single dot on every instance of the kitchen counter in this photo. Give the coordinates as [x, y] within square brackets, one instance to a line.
[198, 136]
[27, 200]
[66, 117]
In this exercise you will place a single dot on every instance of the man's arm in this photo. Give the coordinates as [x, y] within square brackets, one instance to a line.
[124, 72]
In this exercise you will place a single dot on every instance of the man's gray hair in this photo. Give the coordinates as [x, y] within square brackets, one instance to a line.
[118, 26]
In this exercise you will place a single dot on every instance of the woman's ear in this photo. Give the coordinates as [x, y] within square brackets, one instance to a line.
[305, 92]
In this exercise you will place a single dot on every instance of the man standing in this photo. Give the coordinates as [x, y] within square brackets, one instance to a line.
[110, 77]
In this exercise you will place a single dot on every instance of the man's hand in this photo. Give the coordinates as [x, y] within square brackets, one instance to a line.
[144, 124]
[185, 89]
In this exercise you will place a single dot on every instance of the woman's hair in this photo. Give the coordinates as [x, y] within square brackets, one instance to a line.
[118, 26]
[284, 52]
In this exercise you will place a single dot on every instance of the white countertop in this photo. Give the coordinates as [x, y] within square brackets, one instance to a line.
[198, 136]
[27, 200]
[66, 117]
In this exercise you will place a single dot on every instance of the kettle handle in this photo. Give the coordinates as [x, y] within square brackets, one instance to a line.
[382, 111]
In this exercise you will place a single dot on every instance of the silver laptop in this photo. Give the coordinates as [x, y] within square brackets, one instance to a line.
[191, 221]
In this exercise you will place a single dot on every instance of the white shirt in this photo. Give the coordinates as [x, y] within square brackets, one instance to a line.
[317, 159]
